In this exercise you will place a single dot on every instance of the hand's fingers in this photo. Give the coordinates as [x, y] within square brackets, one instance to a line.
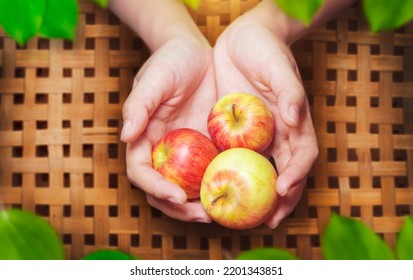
[304, 152]
[270, 66]
[285, 83]
[296, 170]
[285, 206]
[291, 98]
[142, 174]
[149, 89]
[188, 212]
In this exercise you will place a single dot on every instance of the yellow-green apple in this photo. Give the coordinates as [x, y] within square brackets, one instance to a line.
[181, 156]
[238, 189]
[241, 120]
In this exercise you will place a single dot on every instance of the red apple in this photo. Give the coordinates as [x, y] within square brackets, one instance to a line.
[238, 189]
[241, 120]
[182, 156]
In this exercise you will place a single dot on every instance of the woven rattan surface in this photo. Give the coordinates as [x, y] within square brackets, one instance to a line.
[60, 154]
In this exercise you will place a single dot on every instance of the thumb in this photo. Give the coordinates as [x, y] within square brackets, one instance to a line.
[291, 96]
[145, 97]
[136, 113]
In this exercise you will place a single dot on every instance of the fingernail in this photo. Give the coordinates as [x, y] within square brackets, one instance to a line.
[203, 220]
[282, 190]
[174, 200]
[273, 225]
[294, 114]
[127, 126]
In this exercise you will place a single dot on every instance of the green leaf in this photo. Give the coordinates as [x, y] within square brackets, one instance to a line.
[108, 255]
[25, 236]
[385, 15]
[194, 4]
[404, 244]
[348, 239]
[102, 3]
[266, 254]
[60, 19]
[21, 19]
[303, 10]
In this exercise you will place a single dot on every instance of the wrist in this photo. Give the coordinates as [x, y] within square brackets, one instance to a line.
[158, 21]
[288, 29]
[267, 14]
[186, 32]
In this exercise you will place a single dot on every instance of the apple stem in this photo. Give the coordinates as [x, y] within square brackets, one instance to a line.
[218, 198]
[234, 106]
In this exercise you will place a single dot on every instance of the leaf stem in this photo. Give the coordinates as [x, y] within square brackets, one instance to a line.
[218, 198]
[234, 114]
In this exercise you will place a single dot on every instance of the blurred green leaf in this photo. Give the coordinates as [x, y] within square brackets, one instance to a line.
[102, 3]
[404, 244]
[25, 236]
[108, 255]
[21, 19]
[303, 10]
[266, 254]
[348, 239]
[194, 4]
[385, 15]
[60, 19]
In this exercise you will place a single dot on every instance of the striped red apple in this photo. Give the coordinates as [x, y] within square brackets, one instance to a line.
[181, 156]
[238, 189]
[241, 120]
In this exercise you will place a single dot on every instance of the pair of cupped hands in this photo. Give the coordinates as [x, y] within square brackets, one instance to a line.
[183, 79]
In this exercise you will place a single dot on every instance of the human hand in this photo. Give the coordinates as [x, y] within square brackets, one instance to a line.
[175, 88]
[251, 58]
